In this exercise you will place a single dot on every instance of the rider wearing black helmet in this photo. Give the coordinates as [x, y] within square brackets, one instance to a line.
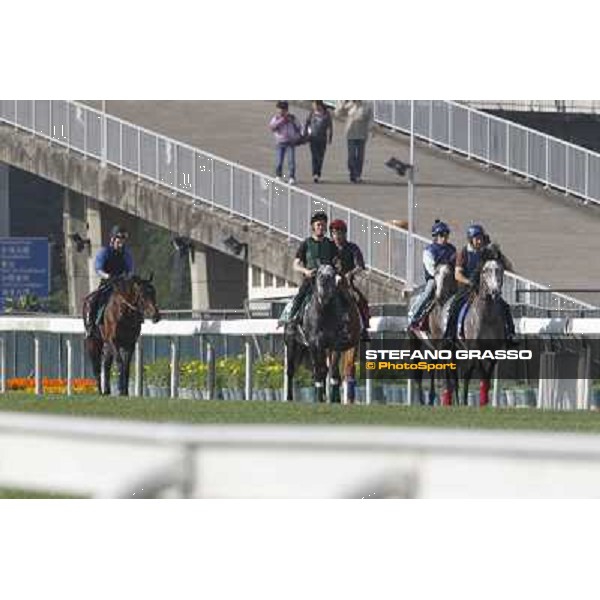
[111, 261]
[313, 252]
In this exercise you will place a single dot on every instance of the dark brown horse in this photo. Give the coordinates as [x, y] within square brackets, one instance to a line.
[444, 286]
[130, 301]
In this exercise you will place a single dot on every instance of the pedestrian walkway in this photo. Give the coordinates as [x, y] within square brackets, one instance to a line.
[550, 237]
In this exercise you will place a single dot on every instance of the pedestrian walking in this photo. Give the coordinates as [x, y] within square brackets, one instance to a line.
[288, 132]
[319, 129]
[359, 116]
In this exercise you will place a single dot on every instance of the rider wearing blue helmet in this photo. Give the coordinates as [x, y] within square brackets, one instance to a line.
[440, 251]
[111, 261]
[466, 274]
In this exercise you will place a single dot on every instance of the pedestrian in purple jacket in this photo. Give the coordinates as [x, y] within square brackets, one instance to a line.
[288, 132]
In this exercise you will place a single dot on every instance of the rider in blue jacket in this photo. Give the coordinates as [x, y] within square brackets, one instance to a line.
[111, 261]
[440, 251]
[466, 274]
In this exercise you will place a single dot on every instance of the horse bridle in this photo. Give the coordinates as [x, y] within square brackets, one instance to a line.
[135, 306]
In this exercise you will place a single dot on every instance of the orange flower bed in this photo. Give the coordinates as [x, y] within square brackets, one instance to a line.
[51, 386]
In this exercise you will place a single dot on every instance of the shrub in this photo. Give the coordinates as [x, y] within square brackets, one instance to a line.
[158, 373]
[230, 372]
[268, 372]
[193, 375]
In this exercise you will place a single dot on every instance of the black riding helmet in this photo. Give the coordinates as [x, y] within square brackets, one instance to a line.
[319, 216]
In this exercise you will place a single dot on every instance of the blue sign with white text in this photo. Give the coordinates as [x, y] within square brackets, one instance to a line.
[24, 268]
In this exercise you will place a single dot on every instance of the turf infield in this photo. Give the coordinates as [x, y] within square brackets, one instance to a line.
[198, 412]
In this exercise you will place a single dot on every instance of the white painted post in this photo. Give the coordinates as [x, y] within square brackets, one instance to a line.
[139, 368]
[567, 171]
[174, 392]
[248, 371]
[285, 379]
[69, 366]
[410, 250]
[547, 160]
[468, 133]
[368, 390]
[2, 365]
[104, 134]
[38, 364]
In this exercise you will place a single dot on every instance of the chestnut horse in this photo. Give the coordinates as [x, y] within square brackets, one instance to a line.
[131, 300]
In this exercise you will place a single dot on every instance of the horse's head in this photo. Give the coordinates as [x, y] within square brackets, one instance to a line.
[445, 283]
[146, 298]
[492, 276]
[325, 283]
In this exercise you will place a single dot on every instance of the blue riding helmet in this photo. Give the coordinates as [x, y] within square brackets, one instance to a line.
[474, 231]
[439, 228]
[119, 231]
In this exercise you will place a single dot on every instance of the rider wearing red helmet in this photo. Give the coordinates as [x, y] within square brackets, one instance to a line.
[351, 262]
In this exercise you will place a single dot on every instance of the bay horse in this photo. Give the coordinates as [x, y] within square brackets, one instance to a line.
[484, 321]
[444, 287]
[130, 301]
[327, 331]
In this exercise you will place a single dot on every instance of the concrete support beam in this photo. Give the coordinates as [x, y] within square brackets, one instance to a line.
[199, 278]
[4, 201]
[270, 250]
[93, 217]
[76, 259]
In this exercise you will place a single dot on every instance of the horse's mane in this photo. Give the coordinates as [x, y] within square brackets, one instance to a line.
[491, 252]
[125, 284]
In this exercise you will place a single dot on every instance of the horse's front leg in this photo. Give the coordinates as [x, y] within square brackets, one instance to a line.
[484, 383]
[349, 358]
[334, 376]
[106, 366]
[319, 367]
[124, 363]
[291, 349]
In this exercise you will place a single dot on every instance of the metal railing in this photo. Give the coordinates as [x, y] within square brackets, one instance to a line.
[222, 184]
[551, 106]
[495, 141]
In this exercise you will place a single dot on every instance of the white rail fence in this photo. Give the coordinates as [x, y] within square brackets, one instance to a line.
[232, 187]
[118, 459]
[495, 141]
[267, 327]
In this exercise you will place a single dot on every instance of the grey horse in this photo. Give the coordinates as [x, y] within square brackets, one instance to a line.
[328, 328]
[485, 320]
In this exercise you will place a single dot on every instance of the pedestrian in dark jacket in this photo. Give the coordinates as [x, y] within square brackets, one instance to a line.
[319, 128]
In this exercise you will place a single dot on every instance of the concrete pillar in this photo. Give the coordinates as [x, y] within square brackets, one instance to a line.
[4, 201]
[76, 260]
[199, 278]
[93, 217]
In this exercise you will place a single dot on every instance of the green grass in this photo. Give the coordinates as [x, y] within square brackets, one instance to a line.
[197, 411]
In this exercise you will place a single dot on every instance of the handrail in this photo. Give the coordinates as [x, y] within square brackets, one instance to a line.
[229, 186]
[517, 149]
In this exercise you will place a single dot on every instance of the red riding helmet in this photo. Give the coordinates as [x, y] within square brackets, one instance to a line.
[338, 224]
